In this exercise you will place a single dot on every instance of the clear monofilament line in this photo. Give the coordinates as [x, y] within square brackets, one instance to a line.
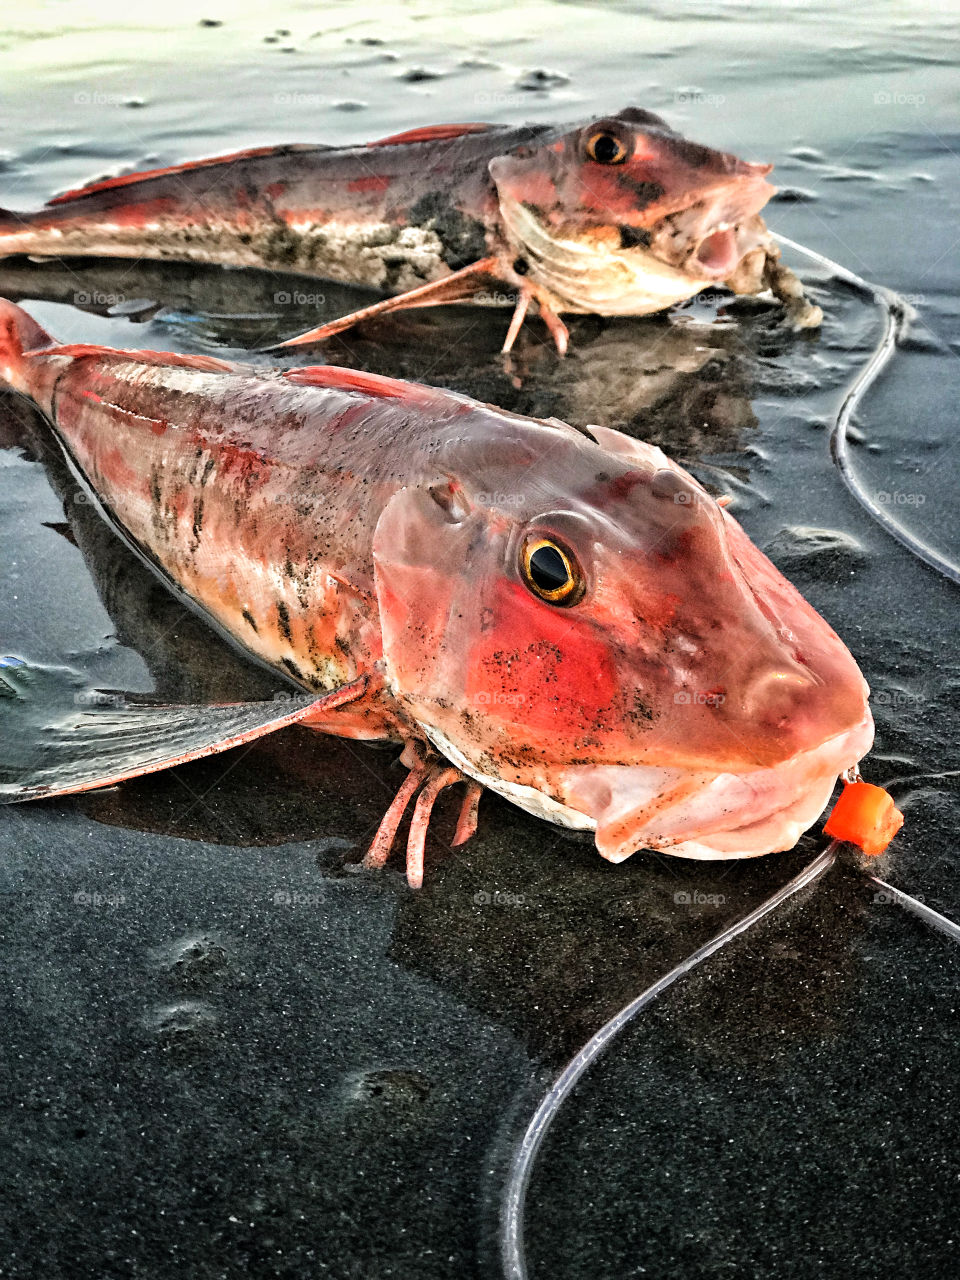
[917, 908]
[511, 1231]
[897, 314]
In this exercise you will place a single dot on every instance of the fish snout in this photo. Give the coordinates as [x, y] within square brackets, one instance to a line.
[785, 709]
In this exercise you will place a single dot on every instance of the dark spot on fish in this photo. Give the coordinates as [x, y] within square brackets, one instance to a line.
[207, 470]
[341, 644]
[641, 708]
[197, 522]
[646, 192]
[634, 237]
[294, 670]
[155, 494]
[464, 239]
[521, 266]
[279, 245]
[283, 618]
[248, 617]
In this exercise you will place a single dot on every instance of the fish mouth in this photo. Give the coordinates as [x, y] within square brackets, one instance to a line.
[688, 814]
[718, 252]
[712, 816]
[708, 238]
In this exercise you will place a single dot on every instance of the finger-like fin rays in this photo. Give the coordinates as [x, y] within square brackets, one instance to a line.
[461, 286]
[433, 775]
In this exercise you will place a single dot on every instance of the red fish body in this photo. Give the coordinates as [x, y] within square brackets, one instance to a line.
[571, 621]
[622, 216]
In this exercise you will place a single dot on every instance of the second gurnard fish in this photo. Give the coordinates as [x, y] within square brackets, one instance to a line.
[618, 217]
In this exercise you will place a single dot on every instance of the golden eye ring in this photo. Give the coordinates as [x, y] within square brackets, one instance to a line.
[551, 572]
[605, 147]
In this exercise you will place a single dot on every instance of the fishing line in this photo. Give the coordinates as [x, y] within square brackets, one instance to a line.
[918, 908]
[521, 1167]
[512, 1219]
[897, 314]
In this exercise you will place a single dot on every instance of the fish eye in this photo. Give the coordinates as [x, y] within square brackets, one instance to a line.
[606, 148]
[551, 572]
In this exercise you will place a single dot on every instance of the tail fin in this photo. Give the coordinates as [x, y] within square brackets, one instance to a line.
[19, 334]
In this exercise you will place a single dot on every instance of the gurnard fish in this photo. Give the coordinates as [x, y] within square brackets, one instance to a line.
[563, 616]
[620, 217]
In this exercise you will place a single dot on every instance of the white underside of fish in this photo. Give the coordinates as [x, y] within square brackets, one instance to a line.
[589, 277]
[717, 817]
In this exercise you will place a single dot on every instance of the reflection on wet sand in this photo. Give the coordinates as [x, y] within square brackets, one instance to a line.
[682, 382]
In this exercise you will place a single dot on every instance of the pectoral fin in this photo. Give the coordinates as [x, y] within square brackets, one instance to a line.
[461, 286]
[109, 739]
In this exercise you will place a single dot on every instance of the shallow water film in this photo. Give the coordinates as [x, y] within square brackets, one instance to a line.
[227, 1050]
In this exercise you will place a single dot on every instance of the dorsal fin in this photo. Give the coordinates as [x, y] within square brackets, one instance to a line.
[431, 133]
[323, 375]
[172, 359]
[128, 179]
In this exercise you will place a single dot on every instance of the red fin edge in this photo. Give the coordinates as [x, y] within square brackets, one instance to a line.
[127, 179]
[335, 376]
[172, 359]
[431, 133]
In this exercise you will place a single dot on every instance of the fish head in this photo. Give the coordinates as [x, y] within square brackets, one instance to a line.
[626, 215]
[579, 625]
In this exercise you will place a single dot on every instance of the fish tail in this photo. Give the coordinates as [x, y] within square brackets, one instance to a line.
[19, 335]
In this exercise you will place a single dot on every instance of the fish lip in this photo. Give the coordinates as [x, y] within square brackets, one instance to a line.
[682, 234]
[725, 815]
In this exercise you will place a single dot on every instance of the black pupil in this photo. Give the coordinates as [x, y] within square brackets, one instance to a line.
[547, 569]
[606, 149]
